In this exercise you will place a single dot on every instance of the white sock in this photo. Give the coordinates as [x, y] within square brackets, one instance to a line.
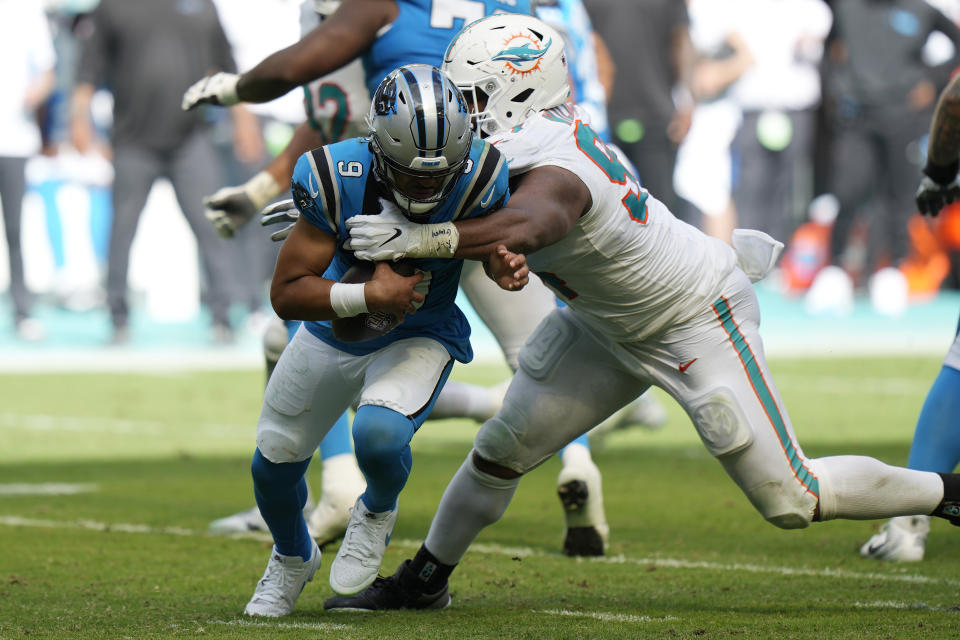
[576, 454]
[472, 501]
[861, 488]
[461, 400]
[341, 476]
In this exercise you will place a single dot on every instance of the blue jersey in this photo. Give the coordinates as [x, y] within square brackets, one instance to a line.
[334, 183]
[422, 31]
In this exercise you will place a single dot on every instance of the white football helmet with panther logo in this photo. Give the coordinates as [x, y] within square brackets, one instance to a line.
[510, 66]
[420, 136]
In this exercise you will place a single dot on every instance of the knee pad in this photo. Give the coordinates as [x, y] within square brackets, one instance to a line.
[720, 422]
[280, 445]
[783, 507]
[498, 443]
[380, 432]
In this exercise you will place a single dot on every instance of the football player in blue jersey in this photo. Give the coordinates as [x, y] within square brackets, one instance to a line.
[385, 34]
[422, 160]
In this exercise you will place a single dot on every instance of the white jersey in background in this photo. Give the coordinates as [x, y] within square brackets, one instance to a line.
[629, 267]
[336, 103]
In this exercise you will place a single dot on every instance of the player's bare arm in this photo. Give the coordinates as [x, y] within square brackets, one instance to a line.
[543, 208]
[939, 186]
[545, 205]
[343, 36]
[333, 43]
[300, 292]
[944, 148]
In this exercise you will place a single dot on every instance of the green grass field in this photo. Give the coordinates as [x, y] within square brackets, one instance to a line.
[151, 459]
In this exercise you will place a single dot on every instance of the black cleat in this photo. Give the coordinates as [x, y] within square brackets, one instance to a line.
[390, 594]
[573, 494]
[583, 541]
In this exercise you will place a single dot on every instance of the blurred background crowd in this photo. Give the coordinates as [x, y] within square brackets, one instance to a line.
[805, 119]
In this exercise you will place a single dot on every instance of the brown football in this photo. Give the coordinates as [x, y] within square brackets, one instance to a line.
[367, 326]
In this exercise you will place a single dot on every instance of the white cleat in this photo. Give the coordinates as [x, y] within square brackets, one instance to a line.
[281, 584]
[242, 522]
[342, 482]
[361, 552]
[581, 494]
[902, 539]
[246, 521]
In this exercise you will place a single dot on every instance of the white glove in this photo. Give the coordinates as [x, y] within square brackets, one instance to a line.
[232, 207]
[219, 89]
[390, 236]
[277, 213]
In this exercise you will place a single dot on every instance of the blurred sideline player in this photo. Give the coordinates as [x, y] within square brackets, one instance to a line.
[422, 163]
[379, 32]
[651, 300]
[936, 440]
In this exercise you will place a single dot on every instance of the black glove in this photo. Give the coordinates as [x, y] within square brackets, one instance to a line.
[938, 188]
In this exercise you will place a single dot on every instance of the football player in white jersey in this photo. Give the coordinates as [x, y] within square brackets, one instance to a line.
[651, 301]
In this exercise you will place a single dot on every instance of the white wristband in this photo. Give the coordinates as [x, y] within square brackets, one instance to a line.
[261, 189]
[347, 300]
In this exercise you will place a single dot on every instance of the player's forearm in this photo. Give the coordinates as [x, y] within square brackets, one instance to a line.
[944, 145]
[511, 227]
[336, 41]
[305, 298]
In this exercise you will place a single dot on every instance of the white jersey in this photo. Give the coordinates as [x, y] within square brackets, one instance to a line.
[337, 103]
[629, 267]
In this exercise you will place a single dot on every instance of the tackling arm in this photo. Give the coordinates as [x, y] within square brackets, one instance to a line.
[544, 206]
[542, 209]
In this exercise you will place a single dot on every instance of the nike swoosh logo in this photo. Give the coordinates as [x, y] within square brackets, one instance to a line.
[486, 201]
[683, 367]
[872, 549]
[396, 234]
[314, 192]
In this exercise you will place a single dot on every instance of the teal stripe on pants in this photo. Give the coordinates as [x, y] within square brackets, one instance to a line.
[725, 315]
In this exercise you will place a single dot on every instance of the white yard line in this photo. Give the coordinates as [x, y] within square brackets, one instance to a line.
[513, 552]
[826, 572]
[312, 626]
[97, 424]
[46, 488]
[606, 617]
[904, 606]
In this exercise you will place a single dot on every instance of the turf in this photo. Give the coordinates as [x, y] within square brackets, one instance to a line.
[156, 457]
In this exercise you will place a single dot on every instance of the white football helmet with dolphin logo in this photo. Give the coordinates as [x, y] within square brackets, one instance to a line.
[509, 65]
